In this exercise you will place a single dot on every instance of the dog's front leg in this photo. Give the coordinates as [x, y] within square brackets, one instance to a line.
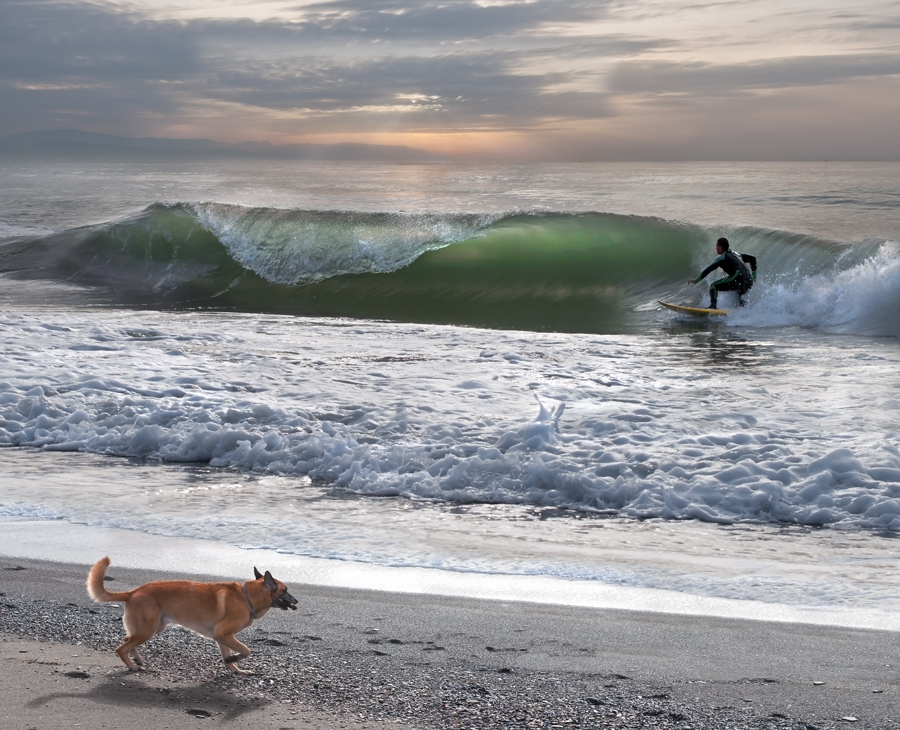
[227, 644]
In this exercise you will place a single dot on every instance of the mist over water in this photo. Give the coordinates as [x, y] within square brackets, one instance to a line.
[845, 202]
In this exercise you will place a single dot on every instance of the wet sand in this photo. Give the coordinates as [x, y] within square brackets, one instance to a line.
[375, 659]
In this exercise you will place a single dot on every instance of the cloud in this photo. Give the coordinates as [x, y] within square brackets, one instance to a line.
[450, 20]
[72, 64]
[478, 89]
[77, 42]
[601, 70]
[661, 77]
[86, 65]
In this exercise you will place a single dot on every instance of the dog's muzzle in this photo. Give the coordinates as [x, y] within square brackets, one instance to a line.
[285, 601]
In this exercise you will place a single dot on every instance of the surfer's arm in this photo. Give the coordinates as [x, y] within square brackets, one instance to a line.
[707, 271]
[747, 258]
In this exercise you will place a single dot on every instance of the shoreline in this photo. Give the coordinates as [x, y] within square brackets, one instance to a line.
[54, 540]
[362, 657]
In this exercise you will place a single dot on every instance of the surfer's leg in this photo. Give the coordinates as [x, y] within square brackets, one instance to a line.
[743, 289]
[714, 289]
[727, 284]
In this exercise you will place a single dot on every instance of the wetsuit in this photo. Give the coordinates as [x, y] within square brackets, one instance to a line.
[737, 276]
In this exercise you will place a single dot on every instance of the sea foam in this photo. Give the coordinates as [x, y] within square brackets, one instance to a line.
[860, 298]
[624, 426]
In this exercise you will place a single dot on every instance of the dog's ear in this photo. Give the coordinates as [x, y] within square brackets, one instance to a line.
[256, 573]
[270, 583]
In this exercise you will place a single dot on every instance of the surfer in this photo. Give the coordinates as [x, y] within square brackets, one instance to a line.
[737, 277]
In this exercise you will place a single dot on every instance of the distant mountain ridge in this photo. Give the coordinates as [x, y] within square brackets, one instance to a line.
[73, 143]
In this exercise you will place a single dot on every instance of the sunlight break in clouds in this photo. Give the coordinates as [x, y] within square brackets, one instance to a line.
[545, 79]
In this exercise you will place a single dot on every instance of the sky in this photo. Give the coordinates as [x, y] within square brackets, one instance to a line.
[511, 80]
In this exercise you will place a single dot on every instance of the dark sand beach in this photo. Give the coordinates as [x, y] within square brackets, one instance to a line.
[350, 659]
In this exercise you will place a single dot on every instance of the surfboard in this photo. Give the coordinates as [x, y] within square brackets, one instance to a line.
[693, 311]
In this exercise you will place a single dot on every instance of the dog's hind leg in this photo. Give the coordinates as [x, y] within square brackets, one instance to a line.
[227, 644]
[138, 659]
[162, 626]
[130, 646]
[141, 624]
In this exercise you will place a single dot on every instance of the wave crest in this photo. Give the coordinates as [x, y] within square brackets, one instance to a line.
[291, 247]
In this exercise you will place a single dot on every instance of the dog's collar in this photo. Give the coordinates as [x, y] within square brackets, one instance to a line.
[249, 602]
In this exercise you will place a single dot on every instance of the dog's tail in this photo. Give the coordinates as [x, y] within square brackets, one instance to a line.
[97, 590]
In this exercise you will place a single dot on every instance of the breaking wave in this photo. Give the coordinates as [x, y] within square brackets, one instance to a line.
[585, 272]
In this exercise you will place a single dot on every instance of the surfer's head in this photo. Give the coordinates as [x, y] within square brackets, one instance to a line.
[722, 245]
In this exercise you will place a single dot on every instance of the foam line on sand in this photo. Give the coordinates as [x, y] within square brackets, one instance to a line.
[60, 541]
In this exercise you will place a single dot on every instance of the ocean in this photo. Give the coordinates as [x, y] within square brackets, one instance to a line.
[458, 377]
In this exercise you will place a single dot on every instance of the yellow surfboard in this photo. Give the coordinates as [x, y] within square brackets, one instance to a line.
[693, 311]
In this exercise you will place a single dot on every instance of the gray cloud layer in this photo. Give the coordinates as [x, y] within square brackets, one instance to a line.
[466, 88]
[452, 20]
[50, 42]
[71, 61]
[357, 66]
[663, 77]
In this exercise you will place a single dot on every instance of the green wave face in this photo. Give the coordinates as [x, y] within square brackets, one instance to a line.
[558, 273]
[162, 255]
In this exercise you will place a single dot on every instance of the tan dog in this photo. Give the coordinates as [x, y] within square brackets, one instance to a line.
[215, 610]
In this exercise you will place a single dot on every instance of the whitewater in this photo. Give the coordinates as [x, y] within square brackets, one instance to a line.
[464, 369]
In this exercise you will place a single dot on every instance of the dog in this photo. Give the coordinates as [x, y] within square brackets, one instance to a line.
[217, 611]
